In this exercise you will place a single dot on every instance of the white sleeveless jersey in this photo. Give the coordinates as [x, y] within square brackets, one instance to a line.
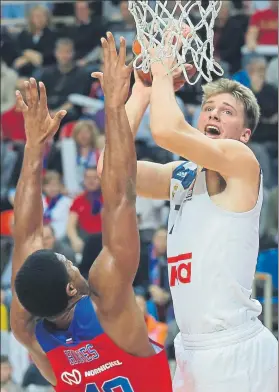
[212, 255]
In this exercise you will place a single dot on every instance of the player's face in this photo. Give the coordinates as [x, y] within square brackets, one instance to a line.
[222, 117]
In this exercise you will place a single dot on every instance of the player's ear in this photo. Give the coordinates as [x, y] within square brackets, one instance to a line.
[71, 290]
[246, 134]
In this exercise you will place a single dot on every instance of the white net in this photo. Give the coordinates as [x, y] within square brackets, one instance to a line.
[156, 20]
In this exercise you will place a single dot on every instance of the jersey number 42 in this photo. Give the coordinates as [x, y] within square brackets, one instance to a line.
[110, 386]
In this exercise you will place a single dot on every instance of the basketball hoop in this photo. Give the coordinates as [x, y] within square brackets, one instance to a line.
[154, 25]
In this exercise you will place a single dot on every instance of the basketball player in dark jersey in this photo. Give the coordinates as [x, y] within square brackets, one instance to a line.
[84, 336]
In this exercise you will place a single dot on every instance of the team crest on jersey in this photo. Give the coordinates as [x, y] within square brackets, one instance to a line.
[186, 177]
[73, 378]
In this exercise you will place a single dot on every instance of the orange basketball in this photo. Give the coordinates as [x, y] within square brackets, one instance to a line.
[136, 47]
[146, 78]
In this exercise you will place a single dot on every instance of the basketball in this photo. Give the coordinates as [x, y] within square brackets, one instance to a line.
[146, 78]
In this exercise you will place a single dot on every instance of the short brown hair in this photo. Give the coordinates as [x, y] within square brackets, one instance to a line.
[91, 126]
[238, 91]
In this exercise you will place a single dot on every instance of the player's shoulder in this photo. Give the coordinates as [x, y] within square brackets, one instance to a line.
[238, 150]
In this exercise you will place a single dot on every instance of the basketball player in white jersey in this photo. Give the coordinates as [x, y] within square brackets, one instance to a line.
[213, 239]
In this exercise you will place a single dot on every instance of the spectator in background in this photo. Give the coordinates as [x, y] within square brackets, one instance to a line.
[76, 154]
[145, 146]
[86, 32]
[4, 323]
[229, 25]
[272, 73]
[56, 204]
[270, 221]
[126, 28]
[65, 78]
[263, 27]
[253, 77]
[267, 95]
[67, 8]
[250, 6]
[50, 242]
[91, 250]
[85, 212]
[8, 86]
[33, 381]
[158, 275]
[7, 385]
[96, 88]
[8, 46]
[18, 11]
[157, 330]
[35, 43]
[150, 217]
[9, 158]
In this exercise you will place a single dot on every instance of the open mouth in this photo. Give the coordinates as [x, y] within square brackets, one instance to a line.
[212, 130]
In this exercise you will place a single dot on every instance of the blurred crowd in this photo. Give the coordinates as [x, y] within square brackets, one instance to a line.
[59, 43]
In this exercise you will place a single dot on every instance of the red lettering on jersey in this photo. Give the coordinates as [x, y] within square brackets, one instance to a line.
[182, 272]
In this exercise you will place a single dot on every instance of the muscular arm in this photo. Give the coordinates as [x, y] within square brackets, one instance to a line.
[113, 272]
[28, 210]
[153, 179]
[136, 107]
[170, 131]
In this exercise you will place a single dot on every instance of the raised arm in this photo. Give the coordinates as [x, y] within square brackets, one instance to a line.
[170, 131]
[153, 179]
[28, 208]
[112, 274]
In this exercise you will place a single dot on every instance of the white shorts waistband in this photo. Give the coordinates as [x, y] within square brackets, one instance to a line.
[220, 338]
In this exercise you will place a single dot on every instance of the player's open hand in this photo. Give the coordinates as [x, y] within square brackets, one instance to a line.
[115, 80]
[40, 126]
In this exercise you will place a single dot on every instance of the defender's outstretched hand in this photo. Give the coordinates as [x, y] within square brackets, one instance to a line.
[115, 80]
[39, 124]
